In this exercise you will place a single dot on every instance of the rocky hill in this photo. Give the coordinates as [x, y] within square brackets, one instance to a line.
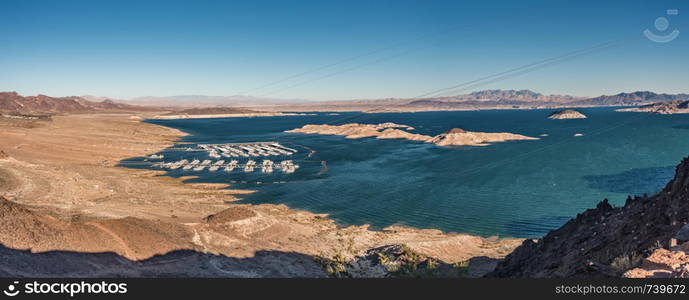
[13, 103]
[605, 241]
[519, 96]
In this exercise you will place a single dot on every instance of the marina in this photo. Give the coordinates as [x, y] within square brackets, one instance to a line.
[267, 166]
[233, 150]
[255, 149]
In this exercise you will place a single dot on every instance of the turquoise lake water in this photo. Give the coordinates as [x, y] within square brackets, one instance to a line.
[517, 189]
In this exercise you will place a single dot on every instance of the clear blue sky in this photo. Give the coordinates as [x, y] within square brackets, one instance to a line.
[126, 49]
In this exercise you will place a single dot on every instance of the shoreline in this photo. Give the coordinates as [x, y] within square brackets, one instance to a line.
[66, 170]
[216, 116]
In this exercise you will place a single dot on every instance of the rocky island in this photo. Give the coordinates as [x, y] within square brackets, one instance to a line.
[566, 114]
[453, 137]
[460, 137]
[663, 108]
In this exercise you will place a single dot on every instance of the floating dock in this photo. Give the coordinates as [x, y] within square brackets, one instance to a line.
[255, 149]
[234, 151]
[267, 166]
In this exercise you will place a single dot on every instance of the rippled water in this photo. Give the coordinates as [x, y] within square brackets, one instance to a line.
[520, 188]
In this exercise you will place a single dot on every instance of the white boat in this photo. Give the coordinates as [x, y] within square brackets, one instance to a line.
[279, 146]
[213, 168]
[200, 168]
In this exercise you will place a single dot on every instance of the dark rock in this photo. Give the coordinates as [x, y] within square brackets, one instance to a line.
[683, 234]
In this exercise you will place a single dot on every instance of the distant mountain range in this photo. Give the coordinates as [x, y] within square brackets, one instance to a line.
[487, 99]
[631, 99]
[13, 103]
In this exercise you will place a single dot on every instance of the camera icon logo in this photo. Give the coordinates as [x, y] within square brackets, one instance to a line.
[12, 289]
[661, 25]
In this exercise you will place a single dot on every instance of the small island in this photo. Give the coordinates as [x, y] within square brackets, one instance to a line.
[566, 114]
[461, 137]
[663, 108]
[453, 137]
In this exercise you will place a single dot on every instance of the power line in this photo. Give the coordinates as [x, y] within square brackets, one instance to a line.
[353, 58]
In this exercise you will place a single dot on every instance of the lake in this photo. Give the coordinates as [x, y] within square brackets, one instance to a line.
[513, 189]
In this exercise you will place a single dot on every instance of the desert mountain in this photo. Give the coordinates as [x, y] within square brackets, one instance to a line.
[476, 100]
[488, 99]
[12, 102]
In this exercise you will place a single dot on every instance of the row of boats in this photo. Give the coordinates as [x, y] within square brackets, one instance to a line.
[246, 149]
[267, 166]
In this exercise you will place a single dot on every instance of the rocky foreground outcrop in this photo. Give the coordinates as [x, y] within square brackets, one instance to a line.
[566, 114]
[663, 108]
[606, 241]
[453, 137]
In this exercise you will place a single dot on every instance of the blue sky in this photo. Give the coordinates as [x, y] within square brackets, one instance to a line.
[348, 49]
